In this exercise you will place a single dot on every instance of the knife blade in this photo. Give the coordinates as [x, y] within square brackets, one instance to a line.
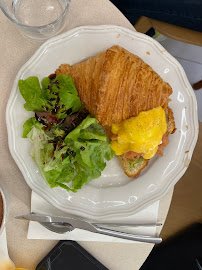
[76, 223]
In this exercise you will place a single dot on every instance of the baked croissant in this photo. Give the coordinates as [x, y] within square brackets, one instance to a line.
[116, 85]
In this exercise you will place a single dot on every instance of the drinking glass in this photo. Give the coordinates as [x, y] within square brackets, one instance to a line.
[37, 20]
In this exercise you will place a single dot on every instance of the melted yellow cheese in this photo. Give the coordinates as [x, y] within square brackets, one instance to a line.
[141, 134]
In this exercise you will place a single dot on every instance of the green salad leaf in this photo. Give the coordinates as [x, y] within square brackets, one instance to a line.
[31, 91]
[68, 155]
[87, 122]
[57, 95]
[28, 125]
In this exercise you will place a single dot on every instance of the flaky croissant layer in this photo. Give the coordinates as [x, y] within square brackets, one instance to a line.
[116, 85]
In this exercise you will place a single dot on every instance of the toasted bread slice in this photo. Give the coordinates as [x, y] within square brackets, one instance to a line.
[170, 121]
[132, 168]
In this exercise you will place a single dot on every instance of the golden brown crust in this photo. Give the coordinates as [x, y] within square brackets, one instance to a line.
[136, 169]
[170, 121]
[116, 85]
[63, 69]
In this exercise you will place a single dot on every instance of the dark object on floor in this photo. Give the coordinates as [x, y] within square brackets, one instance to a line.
[69, 255]
[182, 252]
[182, 13]
[197, 85]
[151, 32]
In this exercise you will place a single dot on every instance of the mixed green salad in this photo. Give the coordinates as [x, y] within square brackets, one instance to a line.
[69, 146]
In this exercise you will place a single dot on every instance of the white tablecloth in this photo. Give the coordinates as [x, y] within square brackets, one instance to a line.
[15, 51]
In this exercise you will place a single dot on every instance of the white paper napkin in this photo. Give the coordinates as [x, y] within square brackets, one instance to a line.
[37, 231]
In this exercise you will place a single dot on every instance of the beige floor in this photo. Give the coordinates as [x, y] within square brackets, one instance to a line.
[186, 206]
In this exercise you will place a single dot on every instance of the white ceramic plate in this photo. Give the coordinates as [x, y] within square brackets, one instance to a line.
[113, 194]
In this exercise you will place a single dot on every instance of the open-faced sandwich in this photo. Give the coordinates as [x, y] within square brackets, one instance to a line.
[112, 103]
[130, 100]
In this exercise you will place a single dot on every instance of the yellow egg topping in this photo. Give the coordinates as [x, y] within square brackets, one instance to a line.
[141, 134]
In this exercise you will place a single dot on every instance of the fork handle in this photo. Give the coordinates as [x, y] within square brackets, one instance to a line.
[128, 236]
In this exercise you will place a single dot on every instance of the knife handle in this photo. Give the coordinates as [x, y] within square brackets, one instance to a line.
[128, 236]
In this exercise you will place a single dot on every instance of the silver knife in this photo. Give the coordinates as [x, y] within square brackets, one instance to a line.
[85, 225]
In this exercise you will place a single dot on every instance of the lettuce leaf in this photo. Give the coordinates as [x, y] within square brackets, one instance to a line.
[27, 127]
[94, 131]
[66, 160]
[57, 95]
[76, 161]
[87, 122]
[33, 95]
[68, 93]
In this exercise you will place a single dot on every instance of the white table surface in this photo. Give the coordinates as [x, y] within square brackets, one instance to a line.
[15, 50]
